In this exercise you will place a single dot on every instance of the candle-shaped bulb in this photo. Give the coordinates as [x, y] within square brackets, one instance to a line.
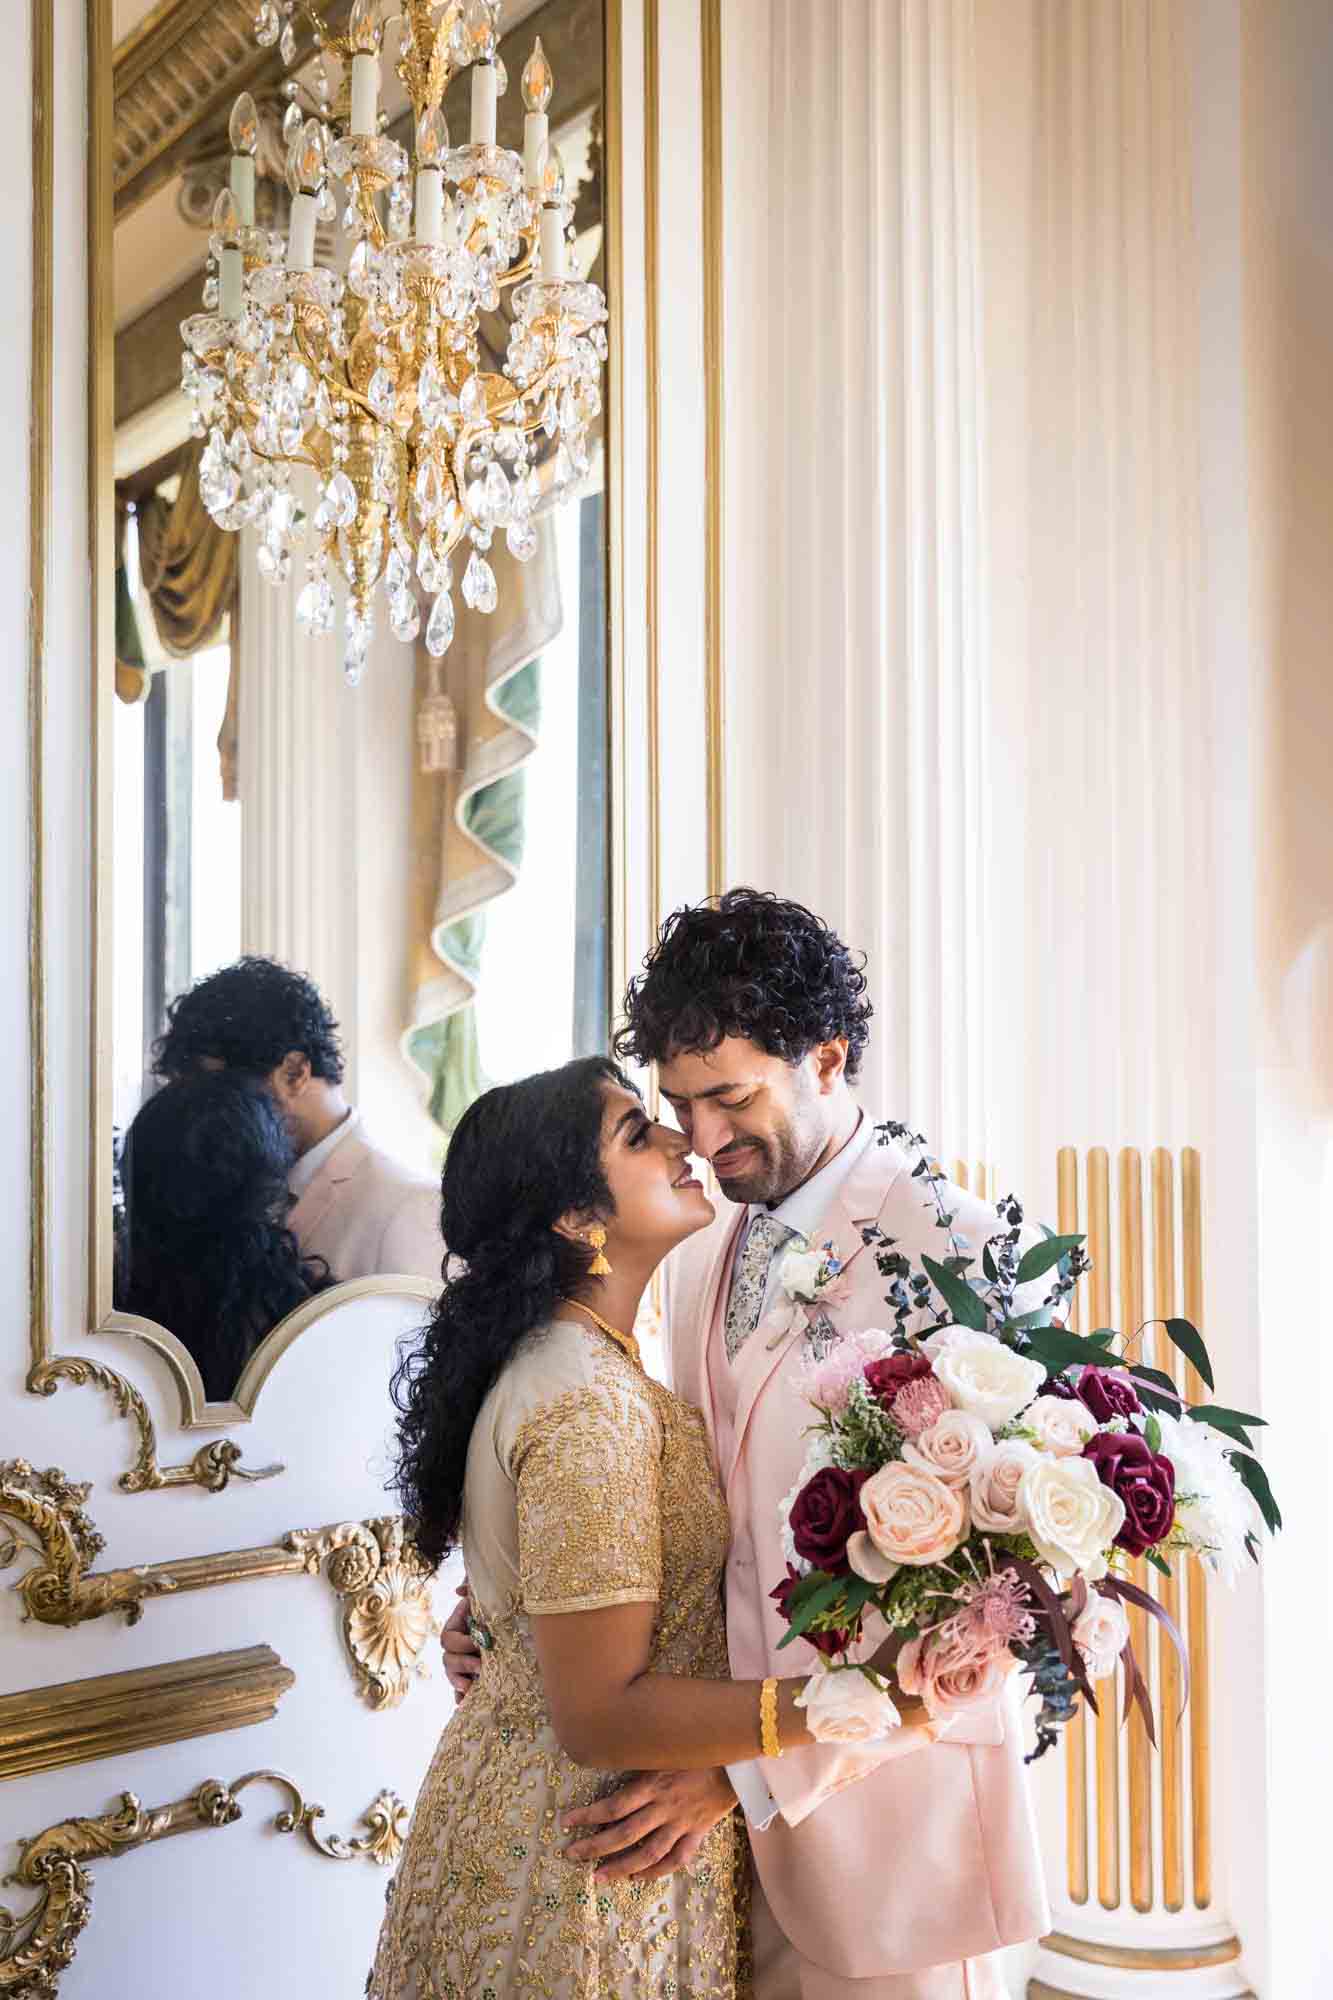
[243, 130]
[226, 220]
[479, 30]
[553, 178]
[308, 152]
[363, 30]
[538, 79]
[432, 137]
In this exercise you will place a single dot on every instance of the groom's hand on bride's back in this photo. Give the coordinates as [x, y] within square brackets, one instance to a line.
[652, 1826]
[462, 1655]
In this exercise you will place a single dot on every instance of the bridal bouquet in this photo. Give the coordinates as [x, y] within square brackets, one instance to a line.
[983, 1479]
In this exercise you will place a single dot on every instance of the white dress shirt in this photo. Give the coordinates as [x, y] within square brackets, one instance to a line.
[309, 1164]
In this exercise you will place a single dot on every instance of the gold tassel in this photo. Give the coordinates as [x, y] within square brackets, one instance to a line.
[437, 728]
[595, 1238]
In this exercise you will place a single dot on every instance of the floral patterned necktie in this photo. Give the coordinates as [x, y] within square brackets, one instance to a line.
[745, 1307]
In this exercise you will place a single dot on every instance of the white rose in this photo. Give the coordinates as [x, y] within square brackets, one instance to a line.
[997, 1496]
[988, 1379]
[1072, 1517]
[935, 1344]
[842, 1706]
[953, 1447]
[800, 1274]
[1101, 1632]
[1061, 1427]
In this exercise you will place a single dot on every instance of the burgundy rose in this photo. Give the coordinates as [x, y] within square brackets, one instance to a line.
[826, 1513]
[885, 1378]
[823, 1642]
[1144, 1481]
[1107, 1393]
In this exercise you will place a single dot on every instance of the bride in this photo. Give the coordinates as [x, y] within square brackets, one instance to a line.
[588, 1511]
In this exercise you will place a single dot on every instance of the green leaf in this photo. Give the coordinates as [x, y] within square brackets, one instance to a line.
[1041, 1316]
[820, 1599]
[1166, 1406]
[988, 1263]
[1158, 1378]
[1152, 1434]
[1220, 1418]
[1039, 1259]
[1105, 1337]
[1187, 1338]
[1056, 1348]
[958, 1296]
[1256, 1479]
[1156, 1560]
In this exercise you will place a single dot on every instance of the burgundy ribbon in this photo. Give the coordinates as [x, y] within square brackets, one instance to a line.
[1119, 1586]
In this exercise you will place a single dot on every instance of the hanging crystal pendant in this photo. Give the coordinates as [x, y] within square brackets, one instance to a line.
[287, 43]
[434, 574]
[404, 615]
[267, 25]
[440, 625]
[521, 540]
[379, 394]
[356, 645]
[479, 588]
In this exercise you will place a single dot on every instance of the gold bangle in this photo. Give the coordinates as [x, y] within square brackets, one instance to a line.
[768, 1719]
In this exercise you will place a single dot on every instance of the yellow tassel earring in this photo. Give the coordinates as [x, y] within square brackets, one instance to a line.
[595, 1238]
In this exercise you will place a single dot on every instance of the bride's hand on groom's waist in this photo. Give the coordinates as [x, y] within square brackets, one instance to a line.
[651, 1826]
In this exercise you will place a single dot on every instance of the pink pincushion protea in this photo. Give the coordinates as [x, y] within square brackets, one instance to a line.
[919, 1404]
[1001, 1604]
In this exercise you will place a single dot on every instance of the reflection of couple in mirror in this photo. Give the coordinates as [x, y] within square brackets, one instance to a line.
[249, 1181]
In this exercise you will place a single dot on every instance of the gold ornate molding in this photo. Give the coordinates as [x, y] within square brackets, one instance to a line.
[43, 1729]
[385, 1588]
[1144, 1958]
[38, 1946]
[212, 1466]
[387, 1618]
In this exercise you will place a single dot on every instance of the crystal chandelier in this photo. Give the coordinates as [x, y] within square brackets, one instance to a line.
[375, 378]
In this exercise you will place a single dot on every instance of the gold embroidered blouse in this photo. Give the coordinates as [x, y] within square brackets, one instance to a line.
[587, 1484]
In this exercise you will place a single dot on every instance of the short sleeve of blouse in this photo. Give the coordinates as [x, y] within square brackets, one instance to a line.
[586, 1467]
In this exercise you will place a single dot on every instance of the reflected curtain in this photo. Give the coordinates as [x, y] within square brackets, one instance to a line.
[468, 824]
[188, 564]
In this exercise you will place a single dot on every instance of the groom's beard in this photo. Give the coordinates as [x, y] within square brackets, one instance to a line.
[771, 1167]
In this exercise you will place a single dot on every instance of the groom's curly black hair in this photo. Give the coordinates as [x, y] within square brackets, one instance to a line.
[748, 963]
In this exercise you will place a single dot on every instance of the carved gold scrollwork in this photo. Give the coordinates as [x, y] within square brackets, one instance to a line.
[385, 1587]
[57, 1592]
[36, 1948]
[212, 1466]
[388, 1619]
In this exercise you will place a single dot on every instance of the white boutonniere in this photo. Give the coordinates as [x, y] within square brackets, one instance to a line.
[811, 1282]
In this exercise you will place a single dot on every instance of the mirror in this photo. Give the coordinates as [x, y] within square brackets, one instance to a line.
[337, 911]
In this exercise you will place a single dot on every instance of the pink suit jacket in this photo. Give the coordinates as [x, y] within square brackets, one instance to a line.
[878, 1863]
[366, 1216]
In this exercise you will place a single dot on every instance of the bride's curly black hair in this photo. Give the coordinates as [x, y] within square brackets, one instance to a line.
[523, 1155]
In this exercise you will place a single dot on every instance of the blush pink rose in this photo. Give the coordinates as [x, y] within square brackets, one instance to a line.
[953, 1448]
[961, 1663]
[919, 1405]
[911, 1517]
[997, 1502]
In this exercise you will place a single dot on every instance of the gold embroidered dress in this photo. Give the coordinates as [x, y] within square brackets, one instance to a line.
[587, 1484]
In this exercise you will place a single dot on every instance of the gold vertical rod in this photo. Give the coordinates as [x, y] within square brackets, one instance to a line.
[1168, 1587]
[614, 140]
[981, 1180]
[102, 554]
[1076, 1731]
[1108, 1749]
[960, 1173]
[652, 579]
[39, 534]
[1201, 1774]
[714, 467]
[1139, 1758]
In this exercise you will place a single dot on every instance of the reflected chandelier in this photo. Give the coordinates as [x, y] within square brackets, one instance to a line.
[375, 378]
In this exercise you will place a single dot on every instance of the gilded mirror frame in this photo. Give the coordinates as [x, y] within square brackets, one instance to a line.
[195, 1412]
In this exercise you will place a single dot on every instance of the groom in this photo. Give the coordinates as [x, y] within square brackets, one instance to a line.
[877, 1878]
